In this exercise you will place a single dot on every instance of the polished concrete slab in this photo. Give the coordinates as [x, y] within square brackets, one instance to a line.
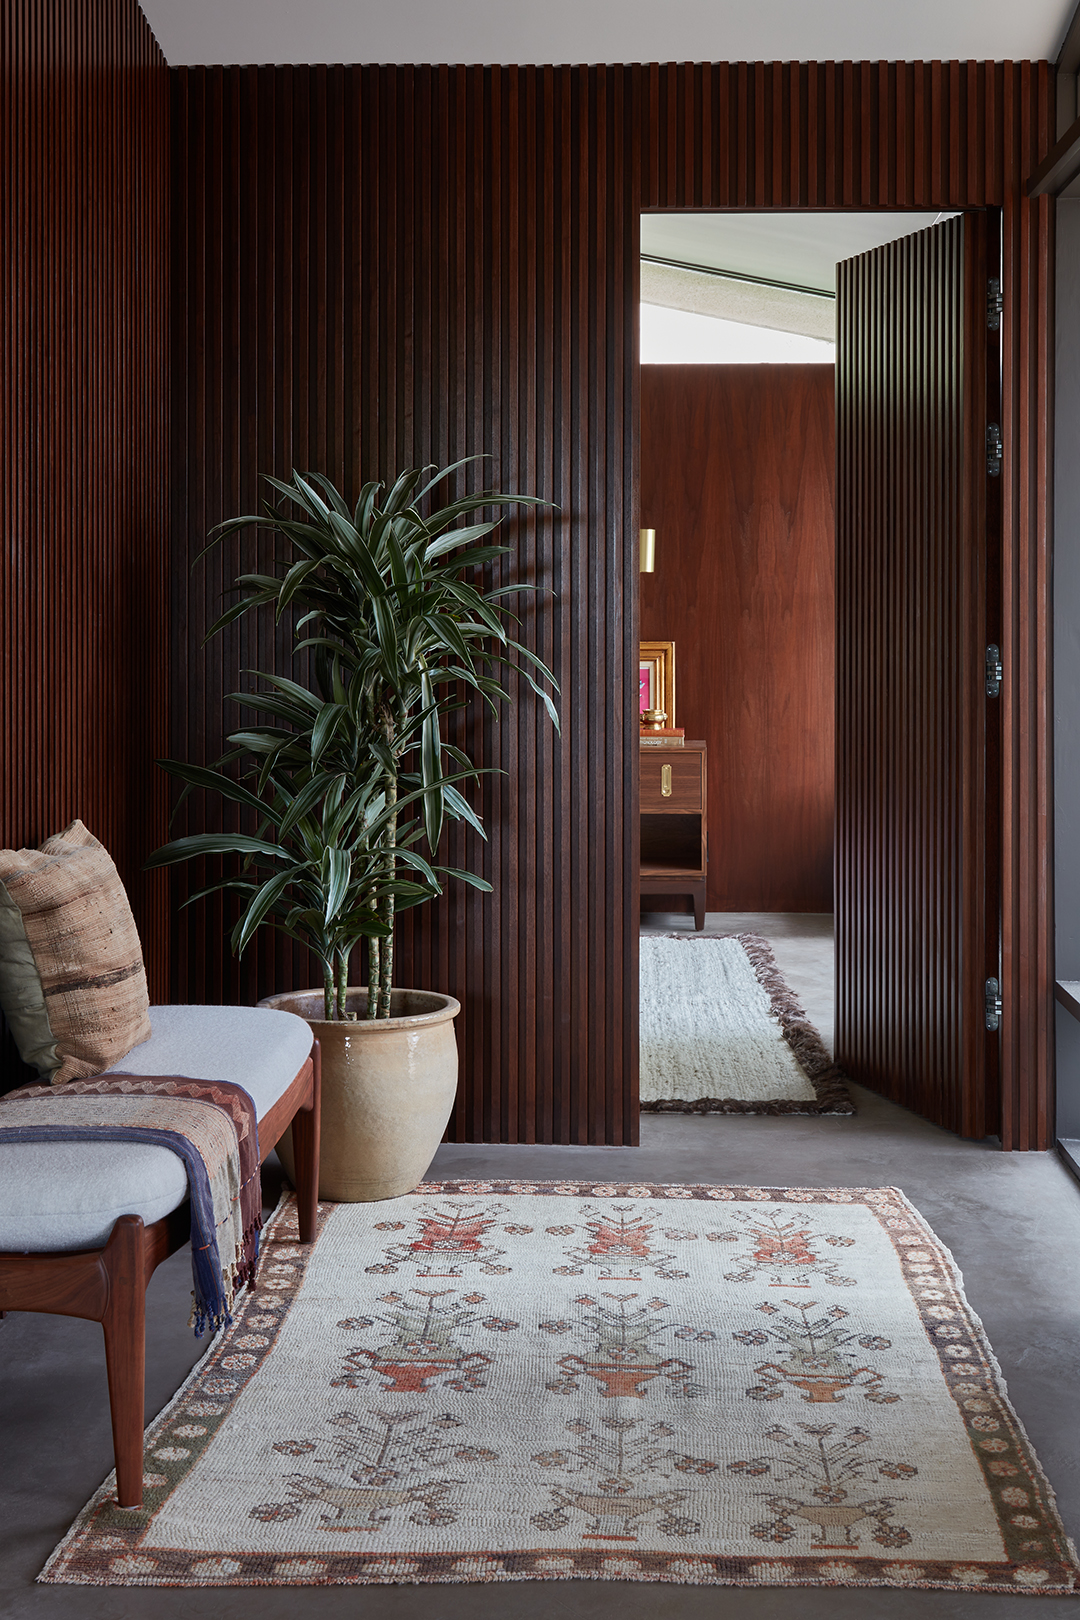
[1012, 1221]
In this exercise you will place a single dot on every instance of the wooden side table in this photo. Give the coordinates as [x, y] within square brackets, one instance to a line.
[674, 827]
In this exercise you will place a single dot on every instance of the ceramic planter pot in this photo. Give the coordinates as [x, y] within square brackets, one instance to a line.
[388, 1086]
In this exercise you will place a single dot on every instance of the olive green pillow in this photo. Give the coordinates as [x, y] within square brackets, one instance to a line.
[72, 982]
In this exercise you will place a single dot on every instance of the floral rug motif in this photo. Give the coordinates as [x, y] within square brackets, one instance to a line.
[498, 1381]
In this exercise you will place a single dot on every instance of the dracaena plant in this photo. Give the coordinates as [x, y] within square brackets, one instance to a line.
[386, 600]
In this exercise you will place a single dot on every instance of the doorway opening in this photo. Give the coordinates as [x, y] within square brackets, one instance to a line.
[738, 486]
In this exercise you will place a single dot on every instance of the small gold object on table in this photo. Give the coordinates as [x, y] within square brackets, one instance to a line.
[652, 719]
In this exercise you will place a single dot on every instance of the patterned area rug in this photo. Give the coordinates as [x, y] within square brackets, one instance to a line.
[499, 1381]
[722, 1033]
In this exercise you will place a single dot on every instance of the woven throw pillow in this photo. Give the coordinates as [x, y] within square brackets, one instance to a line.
[72, 982]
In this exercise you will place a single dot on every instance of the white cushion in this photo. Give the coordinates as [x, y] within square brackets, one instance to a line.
[67, 1195]
[258, 1048]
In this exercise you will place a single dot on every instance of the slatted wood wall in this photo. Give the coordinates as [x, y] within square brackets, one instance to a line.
[84, 454]
[376, 269]
[380, 265]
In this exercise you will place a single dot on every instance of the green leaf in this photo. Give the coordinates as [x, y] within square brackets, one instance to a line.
[410, 858]
[553, 713]
[448, 638]
[461, 537]
[199, 776]
[300, 694]
[297, 576]
[302, 489]
[305, 801]
[184, 849]
[401, 493]
[460, 808]
[329, 491]
[340, 868]
[468, 877]
[444, 473]
[537, 663]
[367, 923]
[365, 507]
[265, 898]
[386, 630]
[330, 717]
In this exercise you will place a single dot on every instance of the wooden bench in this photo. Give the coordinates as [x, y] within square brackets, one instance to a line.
[66, 1255]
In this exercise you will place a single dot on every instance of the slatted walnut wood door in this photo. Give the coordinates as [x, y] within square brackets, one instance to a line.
[918, 754]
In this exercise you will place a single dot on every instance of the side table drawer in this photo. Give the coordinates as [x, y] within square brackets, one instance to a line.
[670, 781]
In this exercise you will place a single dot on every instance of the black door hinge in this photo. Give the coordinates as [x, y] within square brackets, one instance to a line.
[993, 304]
[993, 1005]
[994, 671]
[993, 449]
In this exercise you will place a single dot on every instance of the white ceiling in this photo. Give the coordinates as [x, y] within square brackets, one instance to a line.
[800, 250]
[232, 31]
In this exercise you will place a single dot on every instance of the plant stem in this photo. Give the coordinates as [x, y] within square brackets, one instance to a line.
[386, 951]
[373, 977]
[342, 983]
[328, 991]
[386, 962]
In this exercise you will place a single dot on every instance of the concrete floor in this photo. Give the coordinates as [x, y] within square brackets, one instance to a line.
[1012, 1221]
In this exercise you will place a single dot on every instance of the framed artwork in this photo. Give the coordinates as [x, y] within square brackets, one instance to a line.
[656, 678]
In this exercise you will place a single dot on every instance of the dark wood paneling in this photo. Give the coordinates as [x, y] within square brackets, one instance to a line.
[737, 466]
[377, 268]
[916, 903]
[83, 436]
[376, 265]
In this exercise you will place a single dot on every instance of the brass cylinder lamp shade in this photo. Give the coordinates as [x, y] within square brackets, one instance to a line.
[647, 542]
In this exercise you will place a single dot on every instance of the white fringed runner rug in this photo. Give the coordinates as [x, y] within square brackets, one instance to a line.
[505, 1381]
[721, 1032]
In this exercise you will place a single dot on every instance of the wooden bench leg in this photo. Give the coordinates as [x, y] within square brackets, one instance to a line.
[305, 1136]
[124, 1323]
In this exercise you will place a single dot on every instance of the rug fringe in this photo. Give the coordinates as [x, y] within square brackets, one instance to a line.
[831, 1095]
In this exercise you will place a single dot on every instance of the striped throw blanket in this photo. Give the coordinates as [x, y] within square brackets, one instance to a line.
[210, 1124]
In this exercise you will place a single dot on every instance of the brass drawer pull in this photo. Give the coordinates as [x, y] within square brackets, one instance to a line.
[665, 781]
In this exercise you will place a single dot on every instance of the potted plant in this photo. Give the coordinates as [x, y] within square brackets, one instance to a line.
[352, 774]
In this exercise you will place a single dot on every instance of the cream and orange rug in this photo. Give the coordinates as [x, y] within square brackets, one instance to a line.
[500, 1381]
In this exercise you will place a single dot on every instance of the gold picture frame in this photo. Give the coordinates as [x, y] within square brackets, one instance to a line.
[656, 678]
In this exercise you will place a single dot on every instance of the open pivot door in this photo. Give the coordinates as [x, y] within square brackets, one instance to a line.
[918, 848]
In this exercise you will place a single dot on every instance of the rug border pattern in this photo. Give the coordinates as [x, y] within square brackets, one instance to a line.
[104, 1528]
[831, 1094]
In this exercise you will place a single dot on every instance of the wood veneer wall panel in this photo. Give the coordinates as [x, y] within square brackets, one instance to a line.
[382, 264]
[737, 468]
[377, 268]
[84, 284]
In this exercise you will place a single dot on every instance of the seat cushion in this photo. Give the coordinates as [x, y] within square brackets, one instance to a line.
[72, 983]
[67, 1195]
[258, 1048]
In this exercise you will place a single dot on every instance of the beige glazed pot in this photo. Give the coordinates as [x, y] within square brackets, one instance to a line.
[388, 1086]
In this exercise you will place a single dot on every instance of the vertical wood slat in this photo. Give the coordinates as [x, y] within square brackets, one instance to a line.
[84, 444]
[437, 363]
